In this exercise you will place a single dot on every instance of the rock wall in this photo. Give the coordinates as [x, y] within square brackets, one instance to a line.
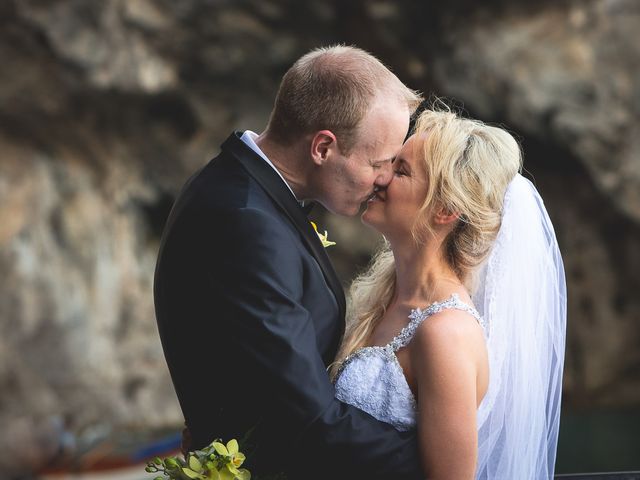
[107, 106]
[566, 76]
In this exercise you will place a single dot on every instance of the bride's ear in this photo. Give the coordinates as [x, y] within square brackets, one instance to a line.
[323, 144]
[445, 216]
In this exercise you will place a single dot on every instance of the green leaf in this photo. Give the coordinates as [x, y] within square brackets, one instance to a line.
[191, 474]
[194, 464]
[157, 461]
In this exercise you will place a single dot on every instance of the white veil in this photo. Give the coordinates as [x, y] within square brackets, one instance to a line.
[522, 298]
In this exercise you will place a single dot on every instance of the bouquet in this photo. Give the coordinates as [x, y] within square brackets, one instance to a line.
[214, 462]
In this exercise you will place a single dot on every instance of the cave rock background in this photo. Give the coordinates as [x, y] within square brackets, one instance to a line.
[107, 106]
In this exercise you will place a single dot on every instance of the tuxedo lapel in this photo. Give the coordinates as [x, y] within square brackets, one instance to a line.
[280, 194]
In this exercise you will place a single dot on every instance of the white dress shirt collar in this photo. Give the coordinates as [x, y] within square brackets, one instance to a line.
[249, 138]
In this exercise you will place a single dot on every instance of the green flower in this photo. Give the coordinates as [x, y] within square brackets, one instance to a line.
[215, 462]
[234, 459]
[323, 238]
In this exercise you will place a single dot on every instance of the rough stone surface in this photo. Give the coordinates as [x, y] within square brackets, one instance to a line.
[567, 75]
[568, 72]
[107, 106]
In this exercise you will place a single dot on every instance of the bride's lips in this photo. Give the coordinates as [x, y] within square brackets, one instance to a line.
[375, 196]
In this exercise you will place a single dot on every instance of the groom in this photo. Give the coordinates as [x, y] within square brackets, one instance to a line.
[249, 308]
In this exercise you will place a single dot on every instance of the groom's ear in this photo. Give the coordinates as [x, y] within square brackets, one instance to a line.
[323, 143]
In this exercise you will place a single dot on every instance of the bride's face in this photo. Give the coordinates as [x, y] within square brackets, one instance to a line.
[393, 211]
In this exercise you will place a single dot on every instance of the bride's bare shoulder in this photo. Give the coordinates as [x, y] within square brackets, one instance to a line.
[451, 322]
[448, 336]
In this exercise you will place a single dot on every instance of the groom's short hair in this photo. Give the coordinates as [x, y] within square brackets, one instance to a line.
[332, 88]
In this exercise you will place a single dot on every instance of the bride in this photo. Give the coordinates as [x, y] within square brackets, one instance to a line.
[458, 326]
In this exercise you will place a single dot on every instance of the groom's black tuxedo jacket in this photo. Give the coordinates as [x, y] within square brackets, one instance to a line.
[250, 313]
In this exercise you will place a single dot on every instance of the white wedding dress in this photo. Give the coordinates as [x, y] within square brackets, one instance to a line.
[372, 379]
[522, 307]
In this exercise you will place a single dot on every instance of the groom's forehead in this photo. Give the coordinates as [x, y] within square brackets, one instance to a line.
[379, 152]
[384, 144]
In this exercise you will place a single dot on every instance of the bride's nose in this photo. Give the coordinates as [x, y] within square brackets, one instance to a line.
[385, 175]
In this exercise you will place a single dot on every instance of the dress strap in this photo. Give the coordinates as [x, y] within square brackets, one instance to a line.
[418, 315]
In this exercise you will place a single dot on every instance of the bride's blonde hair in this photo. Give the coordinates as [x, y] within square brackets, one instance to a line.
[468, 167]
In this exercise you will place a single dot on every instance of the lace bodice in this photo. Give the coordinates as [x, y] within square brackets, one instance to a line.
[372, 379]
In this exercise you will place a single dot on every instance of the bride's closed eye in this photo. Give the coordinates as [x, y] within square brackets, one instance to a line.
[401, 168]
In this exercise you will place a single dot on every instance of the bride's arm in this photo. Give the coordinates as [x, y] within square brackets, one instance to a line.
[444, 356]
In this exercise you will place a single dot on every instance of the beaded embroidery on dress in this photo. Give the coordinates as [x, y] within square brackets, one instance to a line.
[372, 379]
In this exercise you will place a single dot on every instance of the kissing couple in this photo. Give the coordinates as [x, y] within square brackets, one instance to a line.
[449, 362]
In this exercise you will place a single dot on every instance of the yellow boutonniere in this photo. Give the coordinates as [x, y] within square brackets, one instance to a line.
[323, 238]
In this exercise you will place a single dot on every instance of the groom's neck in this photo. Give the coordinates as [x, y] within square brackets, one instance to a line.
[288, 161]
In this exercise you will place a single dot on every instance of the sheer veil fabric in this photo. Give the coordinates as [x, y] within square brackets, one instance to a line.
[522, 298]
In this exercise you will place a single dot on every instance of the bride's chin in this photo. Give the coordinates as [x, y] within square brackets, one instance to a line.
[370, 220]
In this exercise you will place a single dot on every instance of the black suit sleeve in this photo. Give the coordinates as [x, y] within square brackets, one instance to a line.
[257, 274]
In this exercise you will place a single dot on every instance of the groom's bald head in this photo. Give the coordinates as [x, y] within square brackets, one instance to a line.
[332, 89]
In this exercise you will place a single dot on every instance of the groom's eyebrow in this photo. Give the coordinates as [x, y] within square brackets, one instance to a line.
[377, 163]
